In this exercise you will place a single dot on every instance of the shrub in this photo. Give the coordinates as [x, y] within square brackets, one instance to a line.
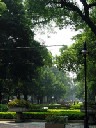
[76, 106]
[55, 119]
[7, 115]
[72, 115]
[3, 108]
[19, 103]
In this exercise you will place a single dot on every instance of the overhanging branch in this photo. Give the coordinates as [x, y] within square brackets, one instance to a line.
[92, 5]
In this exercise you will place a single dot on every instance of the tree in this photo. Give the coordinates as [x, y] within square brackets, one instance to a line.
[63, 12]
[20, 55]
[71, 59]
[53, 84]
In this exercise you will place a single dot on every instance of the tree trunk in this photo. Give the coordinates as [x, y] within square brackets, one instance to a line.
[38, 100]
[41, 99]
[18, 95]
[25, 97]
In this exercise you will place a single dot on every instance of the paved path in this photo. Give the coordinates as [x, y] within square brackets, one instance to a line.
[78, 125]
[12, 124]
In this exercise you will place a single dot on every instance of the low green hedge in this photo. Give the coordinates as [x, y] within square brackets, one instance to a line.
[50, 106]
[7, 115]
[72, 115]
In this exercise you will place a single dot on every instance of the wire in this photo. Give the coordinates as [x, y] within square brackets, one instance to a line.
[3, 49]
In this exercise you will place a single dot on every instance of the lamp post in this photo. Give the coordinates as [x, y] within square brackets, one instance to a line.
[84, 52]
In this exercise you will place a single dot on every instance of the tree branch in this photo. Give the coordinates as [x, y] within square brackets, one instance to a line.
[86, 7]
[92, 5]
[84, 15]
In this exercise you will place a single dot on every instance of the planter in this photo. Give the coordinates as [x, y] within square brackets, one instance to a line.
[56, 121]
[17, 109]
[19, 117]
[19, 113]
[57, 125]
[19, 106]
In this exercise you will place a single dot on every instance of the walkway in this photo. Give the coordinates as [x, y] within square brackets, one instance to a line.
[12, 124]
[78, 125]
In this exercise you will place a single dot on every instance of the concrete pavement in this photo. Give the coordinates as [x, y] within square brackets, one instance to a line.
[78, 125]
[12, 124]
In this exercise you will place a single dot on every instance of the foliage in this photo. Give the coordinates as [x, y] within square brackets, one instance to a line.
[72, 115]
[63, 13]
[52, 83]
[55, 119]
[21, 56]
[3, 108]
[2, 7]
[72, 59]
[7, 115]
[76, 106]
[19, 103]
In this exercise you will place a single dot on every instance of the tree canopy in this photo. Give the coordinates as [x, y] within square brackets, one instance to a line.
[72, 59]
[20, 54]
[63, 12]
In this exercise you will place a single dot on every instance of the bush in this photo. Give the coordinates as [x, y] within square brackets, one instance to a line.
[3, 108]
[76, 106]
[34, 115]
[19, 103]
[7, 115]
[55, 119]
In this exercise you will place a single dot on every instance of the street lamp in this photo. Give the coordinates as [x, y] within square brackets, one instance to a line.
[84, 52]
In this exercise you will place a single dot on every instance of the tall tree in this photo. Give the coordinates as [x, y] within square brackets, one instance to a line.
[20, 55]
[71, 59]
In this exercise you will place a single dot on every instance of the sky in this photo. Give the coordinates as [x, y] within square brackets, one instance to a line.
[58, 37]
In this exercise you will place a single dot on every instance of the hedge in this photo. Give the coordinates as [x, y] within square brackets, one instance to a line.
[72, 115]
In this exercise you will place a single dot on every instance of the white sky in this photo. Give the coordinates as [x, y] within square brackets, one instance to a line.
[59, 37]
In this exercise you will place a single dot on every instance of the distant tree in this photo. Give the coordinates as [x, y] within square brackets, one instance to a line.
[53, 84]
